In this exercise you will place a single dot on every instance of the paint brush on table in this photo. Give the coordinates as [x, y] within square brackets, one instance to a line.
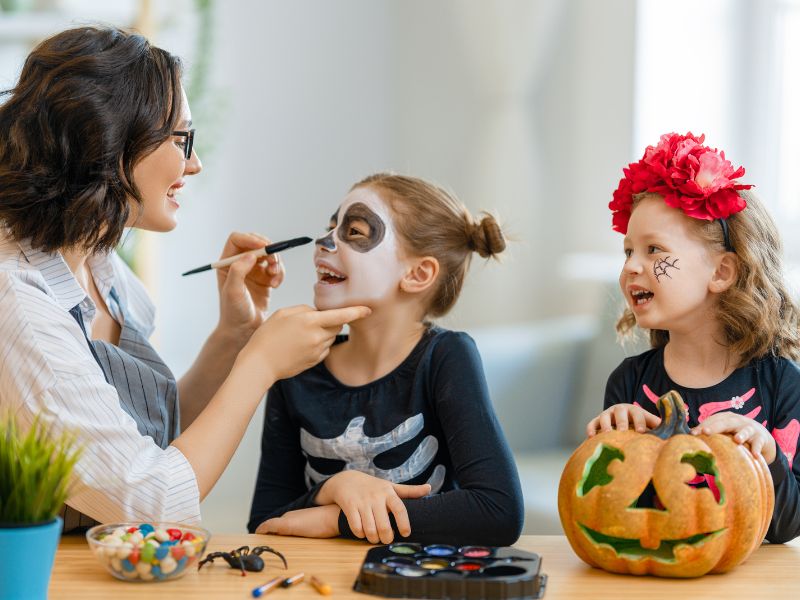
[271, 249]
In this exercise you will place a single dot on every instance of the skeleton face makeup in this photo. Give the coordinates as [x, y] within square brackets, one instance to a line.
[358, 261]
[361, 228]
[667, 269]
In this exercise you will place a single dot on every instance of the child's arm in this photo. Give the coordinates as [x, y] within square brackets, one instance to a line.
[487, 507]
[785, 469]
[280, 485]
[367, 501]
[778, 445]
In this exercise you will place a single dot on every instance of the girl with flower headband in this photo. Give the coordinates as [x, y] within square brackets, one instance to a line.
[394, 432]
[703, 275]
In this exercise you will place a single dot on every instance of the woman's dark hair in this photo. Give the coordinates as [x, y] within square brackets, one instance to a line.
[90, 103]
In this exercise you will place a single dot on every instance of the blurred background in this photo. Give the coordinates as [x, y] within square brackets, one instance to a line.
[526, 108]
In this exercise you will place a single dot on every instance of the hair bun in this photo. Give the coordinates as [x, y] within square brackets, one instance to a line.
[486, 238]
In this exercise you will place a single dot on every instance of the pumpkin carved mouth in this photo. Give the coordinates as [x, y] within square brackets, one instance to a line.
[632, 548]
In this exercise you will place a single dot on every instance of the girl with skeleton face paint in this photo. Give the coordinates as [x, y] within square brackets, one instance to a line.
[358, 261]
[396, 422]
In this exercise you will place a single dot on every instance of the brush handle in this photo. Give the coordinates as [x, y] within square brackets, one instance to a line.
[266, 250]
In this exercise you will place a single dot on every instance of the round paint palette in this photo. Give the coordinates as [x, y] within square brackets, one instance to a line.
[410, 570]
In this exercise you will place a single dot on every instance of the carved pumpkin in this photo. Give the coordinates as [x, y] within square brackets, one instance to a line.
[665, 502]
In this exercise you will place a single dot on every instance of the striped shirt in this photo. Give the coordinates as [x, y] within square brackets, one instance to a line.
[47, 370]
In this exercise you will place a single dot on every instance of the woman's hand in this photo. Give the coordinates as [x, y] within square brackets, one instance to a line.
[244, 286]
[619, 417]
[294, 339]
[367, 501]
[316, 522]
[745, 431]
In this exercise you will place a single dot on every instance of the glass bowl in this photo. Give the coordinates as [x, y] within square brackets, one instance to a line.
[147, 551]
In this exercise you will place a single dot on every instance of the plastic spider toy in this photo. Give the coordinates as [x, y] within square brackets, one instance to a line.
[244, 558]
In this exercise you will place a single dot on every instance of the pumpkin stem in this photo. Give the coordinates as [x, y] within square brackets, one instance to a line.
[672, 411]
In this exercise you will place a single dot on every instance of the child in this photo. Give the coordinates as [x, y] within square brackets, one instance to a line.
[398, 401]
[703, 274]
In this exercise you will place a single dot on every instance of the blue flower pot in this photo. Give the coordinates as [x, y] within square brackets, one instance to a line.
[26, 559]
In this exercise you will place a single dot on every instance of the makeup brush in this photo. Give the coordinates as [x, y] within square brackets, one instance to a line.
[271, 249]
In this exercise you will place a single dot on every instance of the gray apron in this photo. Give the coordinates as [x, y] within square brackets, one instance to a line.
[146, 387]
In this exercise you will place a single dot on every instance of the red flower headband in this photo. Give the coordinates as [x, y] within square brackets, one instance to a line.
[695, 178]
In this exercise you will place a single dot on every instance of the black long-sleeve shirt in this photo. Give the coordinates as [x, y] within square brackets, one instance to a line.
[767, 390]
[428, 421]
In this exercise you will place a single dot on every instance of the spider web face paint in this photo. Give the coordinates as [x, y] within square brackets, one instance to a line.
[662, 266]
[358, 452]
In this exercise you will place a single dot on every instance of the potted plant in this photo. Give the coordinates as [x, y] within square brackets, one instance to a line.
[35, 469]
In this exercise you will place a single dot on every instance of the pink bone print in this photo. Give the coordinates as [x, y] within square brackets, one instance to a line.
[786, 439]
[711, 408]
[653, 397]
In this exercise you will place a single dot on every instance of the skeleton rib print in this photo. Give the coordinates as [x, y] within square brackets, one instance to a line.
[358, 452]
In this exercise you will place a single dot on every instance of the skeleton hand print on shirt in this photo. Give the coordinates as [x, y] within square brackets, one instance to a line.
[358, 452]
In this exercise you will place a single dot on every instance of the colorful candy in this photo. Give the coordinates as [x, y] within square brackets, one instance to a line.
[147, 552]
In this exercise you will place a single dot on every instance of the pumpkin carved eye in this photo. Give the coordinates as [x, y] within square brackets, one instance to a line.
[707, 474]
[596, 471]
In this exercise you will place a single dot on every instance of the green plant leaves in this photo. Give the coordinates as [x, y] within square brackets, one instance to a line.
[35, 469]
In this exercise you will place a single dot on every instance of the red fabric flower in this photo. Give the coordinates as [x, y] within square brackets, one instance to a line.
[695, 178]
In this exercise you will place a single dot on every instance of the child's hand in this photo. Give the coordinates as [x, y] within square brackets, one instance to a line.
[367, 502]
[745, 430]
[316, 522]
[619, 416]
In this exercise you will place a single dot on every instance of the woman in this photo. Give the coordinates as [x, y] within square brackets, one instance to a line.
[96, 137]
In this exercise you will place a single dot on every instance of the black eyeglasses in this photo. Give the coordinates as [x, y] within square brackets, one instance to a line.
[187, 145]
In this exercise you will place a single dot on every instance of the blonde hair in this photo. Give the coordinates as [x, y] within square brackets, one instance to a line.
[757, 313]
[431, 222]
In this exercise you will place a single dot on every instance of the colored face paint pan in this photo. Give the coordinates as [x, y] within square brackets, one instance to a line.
[398, 561]
[441, 571]
[475, 551]
[377, 568]
[440, 550]
[468, 565]
[434, 564]
[411, 572]
[405, 548]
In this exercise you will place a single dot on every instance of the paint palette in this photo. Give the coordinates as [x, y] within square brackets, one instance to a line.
[408, 570]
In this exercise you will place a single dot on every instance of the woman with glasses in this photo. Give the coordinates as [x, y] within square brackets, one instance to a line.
[95, 137]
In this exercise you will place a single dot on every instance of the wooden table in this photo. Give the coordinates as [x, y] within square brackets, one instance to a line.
[772, 571]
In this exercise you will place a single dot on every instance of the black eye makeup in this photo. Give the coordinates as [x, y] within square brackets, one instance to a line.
[361, 228]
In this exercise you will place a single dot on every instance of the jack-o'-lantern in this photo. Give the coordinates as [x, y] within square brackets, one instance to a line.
[665, 502]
